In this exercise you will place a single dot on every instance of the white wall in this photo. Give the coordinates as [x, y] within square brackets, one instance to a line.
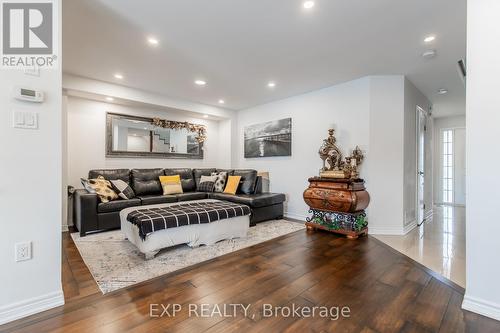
[65, 211]
[385, 155]
[87, 132]
[440, 124]
[30, 197]
[413, 98]
[459, 167]
[343, 107]
[225, 145]
[372, 112]
[483, 69]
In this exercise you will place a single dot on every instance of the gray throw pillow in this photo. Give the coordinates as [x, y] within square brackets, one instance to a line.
[86, 185]
[123, 190]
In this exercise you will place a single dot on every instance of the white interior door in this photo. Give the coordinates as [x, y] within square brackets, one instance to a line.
[421, 123]
[459, 158]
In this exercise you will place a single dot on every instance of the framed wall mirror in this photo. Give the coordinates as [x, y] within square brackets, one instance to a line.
[133, 136]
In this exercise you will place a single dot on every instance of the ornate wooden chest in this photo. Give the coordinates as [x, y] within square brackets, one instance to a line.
[337, 205]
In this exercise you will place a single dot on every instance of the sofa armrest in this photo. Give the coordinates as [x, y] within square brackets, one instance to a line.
[85, 211]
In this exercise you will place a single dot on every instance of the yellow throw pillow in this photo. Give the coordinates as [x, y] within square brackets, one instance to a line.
[232, 184]
[103, 189]
[171, 184]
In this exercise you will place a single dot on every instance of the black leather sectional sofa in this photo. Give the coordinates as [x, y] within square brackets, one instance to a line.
[92, 215]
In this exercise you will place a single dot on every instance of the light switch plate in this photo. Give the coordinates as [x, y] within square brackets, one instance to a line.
[25, 119]
[18, 119]
[29, 119]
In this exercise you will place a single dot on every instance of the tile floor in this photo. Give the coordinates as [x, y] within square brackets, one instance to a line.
[438, 244]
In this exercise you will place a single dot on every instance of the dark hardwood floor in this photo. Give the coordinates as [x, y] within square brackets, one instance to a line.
[385, 291]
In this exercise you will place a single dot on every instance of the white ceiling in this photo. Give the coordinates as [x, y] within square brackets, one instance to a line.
[237, 46]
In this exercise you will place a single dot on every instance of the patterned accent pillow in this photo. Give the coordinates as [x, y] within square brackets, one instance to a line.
[103, 189]
[123, 190]
[171, 184]
[207, 183]
[220, 181]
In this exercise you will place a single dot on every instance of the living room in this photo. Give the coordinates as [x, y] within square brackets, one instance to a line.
[181, 152]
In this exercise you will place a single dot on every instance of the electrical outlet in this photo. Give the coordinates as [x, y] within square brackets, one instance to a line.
[23, 251]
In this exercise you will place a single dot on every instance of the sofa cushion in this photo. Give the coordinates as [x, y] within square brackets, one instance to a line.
[111, 174]
[147, 181]
[187, 179]
[230, 172]
[252, 200]
[191, 196]
[158, 199]
[117, 205]
[247, 181]
[197, 173]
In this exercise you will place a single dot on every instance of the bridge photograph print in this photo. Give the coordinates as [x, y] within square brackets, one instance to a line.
[272, 138]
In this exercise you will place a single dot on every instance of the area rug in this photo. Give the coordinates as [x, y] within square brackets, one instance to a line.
[116, 263]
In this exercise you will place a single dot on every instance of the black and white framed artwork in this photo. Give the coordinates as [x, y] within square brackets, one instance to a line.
[272, 138]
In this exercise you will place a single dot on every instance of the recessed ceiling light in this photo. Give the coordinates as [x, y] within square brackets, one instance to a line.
[153, 41]
[118, 76]
[308, 4]
[429, 39]
[110, 99]
[200, 82]
[205, 116]
[221, 101]
[442, 91]
[271, 84]
[429, 54]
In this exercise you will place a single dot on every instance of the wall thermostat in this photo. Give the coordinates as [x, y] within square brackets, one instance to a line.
[28, 95]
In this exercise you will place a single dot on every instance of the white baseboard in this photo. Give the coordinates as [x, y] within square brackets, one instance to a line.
[31, 306]
[65, 228]
[410, 226]
[375, 230]
[448, 204]
[295, 216]
[482, 307]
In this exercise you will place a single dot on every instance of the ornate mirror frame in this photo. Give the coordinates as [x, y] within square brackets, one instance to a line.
[127, 154]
